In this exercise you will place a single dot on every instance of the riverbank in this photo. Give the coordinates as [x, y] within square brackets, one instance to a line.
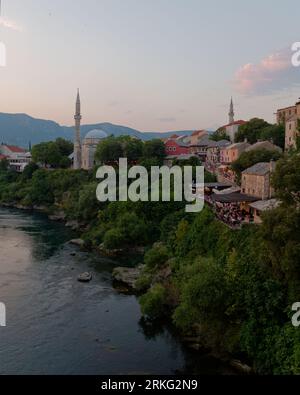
[57, 325]
[220, 279]
[125, 282]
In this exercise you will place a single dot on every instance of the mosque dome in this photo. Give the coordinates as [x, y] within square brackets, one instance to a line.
[96, 134]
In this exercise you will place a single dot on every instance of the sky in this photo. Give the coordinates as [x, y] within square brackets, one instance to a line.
[154, 65]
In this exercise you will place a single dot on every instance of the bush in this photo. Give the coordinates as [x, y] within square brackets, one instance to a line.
[156, 257]
[153, 302]
[143, 283]
[203, 293]
[113, 239]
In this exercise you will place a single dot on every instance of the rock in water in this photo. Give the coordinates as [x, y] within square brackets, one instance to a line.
[127, 276]
[77, 242]
[85, 277]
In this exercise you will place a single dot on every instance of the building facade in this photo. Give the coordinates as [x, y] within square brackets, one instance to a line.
[18, 158]
[290, 117]
[256, 181]
[175, 147]
[232, 152]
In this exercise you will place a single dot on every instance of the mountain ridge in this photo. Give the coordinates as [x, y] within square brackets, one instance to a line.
[22, 129]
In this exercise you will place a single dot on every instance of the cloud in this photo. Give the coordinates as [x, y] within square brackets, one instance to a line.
[10, 24]
[167, 119]
[274, 73]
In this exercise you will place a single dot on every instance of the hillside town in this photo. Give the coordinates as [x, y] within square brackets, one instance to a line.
[236, 200]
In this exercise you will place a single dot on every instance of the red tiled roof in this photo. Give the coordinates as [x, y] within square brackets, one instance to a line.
[15, 149]
[174, 136]
[2, 157]
[240, 122]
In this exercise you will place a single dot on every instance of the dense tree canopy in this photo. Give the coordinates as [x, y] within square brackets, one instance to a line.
[154, 149]
[220, 134]
[54, 153]
[251, 131]
[274, 133]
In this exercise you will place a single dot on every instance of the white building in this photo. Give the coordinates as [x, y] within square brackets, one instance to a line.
[17, 157]
[233, 126]
[89, 146]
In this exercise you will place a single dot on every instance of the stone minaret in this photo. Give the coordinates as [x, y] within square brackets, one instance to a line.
[77, 141]
[231, 112]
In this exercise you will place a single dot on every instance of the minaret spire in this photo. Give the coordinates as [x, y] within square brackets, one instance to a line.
[231, 112]
[77, 140]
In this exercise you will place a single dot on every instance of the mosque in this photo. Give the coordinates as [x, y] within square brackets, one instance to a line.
[84, 151]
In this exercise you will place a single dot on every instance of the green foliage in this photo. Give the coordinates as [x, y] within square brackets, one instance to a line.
[29, 170]
[110, 150]
[153, 302]
[53, 153]
[204, 293]
[4, 164]
[113, 148]
[219, 135]
[236, 286]
[252, 130]
[144, 282]
[156, 257]
[154, 149]
[129, 230]
[286, 179]
[274, 133]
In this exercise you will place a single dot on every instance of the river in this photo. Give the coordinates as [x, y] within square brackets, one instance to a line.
[56, 325]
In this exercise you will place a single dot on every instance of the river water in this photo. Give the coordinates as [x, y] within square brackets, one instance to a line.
[56, 325]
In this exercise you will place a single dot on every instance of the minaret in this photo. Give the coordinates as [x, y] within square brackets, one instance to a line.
[231, 112]
[77, 141]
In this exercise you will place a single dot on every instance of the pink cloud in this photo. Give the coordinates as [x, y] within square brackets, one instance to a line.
[270, 73]
[9, 24]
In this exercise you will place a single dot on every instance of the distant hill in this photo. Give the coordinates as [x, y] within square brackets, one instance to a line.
[20, 129]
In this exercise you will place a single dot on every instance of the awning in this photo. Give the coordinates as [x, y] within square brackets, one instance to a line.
[233, 198]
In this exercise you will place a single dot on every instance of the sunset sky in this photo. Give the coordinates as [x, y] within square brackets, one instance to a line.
[149, 64]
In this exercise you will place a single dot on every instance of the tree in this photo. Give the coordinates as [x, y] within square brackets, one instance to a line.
[274, 133]
[29, 170]
[132, 148]
[4, 164]
[251, 131]
[52, 153]
[109, 150]
[65, 147]
[286, 179]
[153, 303]
[154, 149]
[204, 293]
[156, 257]
[220, 134]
